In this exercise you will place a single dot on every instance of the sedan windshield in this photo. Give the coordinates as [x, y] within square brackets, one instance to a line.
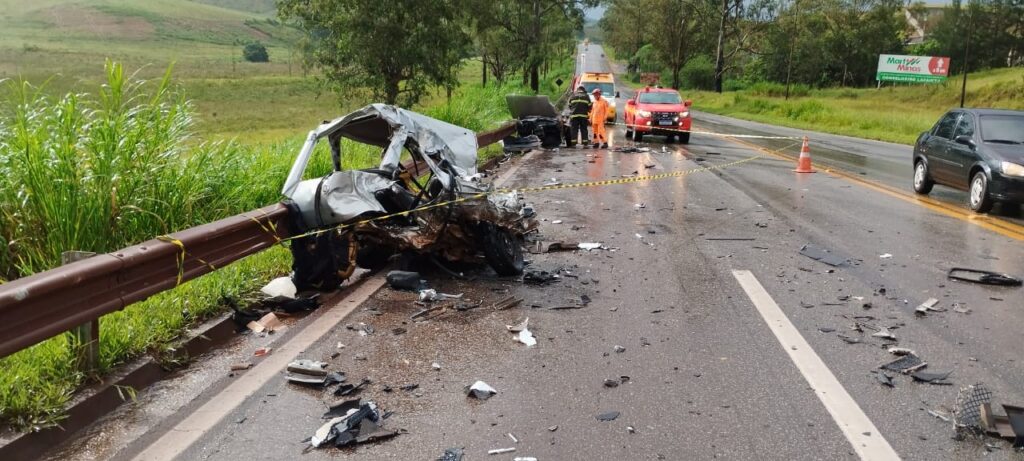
[1007, 129]
[660, 98]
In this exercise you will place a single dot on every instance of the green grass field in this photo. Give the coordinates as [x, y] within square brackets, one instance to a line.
[896, 114]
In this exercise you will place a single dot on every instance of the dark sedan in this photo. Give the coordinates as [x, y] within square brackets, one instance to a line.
[977, 150]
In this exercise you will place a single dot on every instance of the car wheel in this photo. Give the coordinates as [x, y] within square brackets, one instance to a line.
[638, 136]
[684, 138]
[629, 132]
[922, 178]
[502, 250]
[979, 199]
[670, 138]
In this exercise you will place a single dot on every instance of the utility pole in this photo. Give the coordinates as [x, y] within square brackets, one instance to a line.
[967, 55]
[720, 55]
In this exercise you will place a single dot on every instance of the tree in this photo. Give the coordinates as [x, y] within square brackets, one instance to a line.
[671, 28]
[395, 48]
[255, 52]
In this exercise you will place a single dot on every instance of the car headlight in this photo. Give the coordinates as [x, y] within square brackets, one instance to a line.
[1013, 169]
[684, 114]
[643, 113]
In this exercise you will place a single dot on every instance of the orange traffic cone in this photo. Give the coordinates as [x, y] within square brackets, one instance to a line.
[804, 164]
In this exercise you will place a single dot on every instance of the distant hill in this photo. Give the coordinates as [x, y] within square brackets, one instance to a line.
[264, 7]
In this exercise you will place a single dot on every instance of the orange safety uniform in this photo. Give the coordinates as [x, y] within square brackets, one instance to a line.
[598, 114]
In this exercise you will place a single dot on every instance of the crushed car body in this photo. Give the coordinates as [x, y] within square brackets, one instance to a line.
[440, 207]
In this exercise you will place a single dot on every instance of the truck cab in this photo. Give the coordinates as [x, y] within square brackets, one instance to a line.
[606, 82]
[658, 111]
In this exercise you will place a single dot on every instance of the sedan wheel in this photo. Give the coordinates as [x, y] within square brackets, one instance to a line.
[980, 201]
[922, 182]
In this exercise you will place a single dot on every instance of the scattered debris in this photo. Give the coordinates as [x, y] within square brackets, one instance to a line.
[241, 366]
[731, 239]
[932, 378]
[506, 303]
[849, 339]
[822, 255]
[262, 351]
[983, 277]
[619, 349]
[431, 295]
[926, 306]
[611, 383]
[281, 286]
[960, 308]
[513, 437]
[452, 454]
[522, 458]
[398, 331]
[907, 364]
[609, 416]
[885, 256]
[885, 379]
[480, 390]
[826, 329]
[405, 280]
[523, 333]
[269, 323]
[901, 351]
[359, 422]
[561, 246]
[884, 333]
[498, 451]
[553, 428]
[969, 402]
[557, 221]
[313, 373]
[539, 277]
[589, 246]
[938, 415]
[351, 389]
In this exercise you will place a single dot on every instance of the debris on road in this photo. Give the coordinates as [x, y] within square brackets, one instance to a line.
[351, 389]
[885, 379]
[960, 308]
[885, 256]
[849, 339]
[405, 280]
[480, 390]
[312, 372]
[553, 428]
[506, 303]
[521, 458]
[609, 416]
[513, 437]
[454, 454]
[962, 274]
[430, 295]
[901, 351]
[269, 323]
[907, 364]
[884, 333]
[969, 402]
[932, 378]
[523, 333]
[589, 246]
[619, 349]
[498, 451]
[927, 306]
[262, 351]
[241, 366]
[822, 255]
[281, 286]
[539, 277]
[359, 422]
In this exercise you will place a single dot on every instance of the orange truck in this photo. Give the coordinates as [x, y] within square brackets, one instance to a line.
[658, 111]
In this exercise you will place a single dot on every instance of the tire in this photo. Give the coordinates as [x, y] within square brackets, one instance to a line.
[319, 261]
[670, 138]
[502, 250]
[922, 178]
[684, 138]
[978, 197]
[638, 136]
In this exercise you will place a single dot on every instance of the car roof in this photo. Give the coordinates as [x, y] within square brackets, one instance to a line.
[658, 90]
[991, 111]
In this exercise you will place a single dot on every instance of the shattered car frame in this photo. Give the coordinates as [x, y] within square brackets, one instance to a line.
[363, 217]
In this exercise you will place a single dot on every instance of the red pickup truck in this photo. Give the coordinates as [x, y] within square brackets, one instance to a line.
[659, 111]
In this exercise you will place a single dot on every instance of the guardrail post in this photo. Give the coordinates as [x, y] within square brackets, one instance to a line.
[87, 335]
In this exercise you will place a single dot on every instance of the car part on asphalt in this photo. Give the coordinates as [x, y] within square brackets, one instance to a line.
[907, 364]
[963, 274]
[885, 379]
[360, 422]
[445, 210]
[926, 306]
[822, 255]
[608, 416]
[451, 454]
[498, 451]
[967, 411]
[405, 280]
[269, 323]
[931, 378]
[351, 389]
[539, 276]
[480, 390]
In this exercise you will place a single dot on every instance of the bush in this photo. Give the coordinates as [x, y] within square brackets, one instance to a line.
[698, 73]
[734, 85]
[778, 90]
[255, 52]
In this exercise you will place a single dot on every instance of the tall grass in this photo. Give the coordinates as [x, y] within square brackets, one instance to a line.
[97, 172]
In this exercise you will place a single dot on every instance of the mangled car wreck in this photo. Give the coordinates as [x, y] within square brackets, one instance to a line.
[440, 207]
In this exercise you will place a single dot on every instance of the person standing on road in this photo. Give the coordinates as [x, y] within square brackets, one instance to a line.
[598, 114]
[579, 110]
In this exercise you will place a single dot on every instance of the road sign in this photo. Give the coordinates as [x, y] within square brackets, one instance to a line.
[914, 69]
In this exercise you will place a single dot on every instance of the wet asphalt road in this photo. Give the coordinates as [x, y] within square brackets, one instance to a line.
[707, 378]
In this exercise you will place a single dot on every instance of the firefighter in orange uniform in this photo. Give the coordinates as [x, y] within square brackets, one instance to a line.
[598, 114]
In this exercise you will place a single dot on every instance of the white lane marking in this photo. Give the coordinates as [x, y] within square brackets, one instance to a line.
[859, 430]
[206, 417]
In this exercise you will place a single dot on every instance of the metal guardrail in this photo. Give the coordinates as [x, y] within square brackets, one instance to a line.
[43, 305]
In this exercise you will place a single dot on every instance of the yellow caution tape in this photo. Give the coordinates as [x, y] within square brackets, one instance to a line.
[709, 133]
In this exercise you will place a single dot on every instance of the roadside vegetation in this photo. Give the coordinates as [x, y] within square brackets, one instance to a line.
[99, 163]
[811, 63]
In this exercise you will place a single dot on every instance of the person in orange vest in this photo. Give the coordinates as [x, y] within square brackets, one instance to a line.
[598, 114]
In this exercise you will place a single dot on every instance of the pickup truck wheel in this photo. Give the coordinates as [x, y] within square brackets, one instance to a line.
[638, 136]
[684, 138]
[502, 250]
[669, 138]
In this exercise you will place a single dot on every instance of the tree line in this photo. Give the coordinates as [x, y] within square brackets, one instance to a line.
[708, 44]
[401, 49]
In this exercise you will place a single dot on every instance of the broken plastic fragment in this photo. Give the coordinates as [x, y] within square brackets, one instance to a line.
[609, 416]
[526, 337]
[822, 255]
[884, 333]
[281, 286]
[481, 390]
[498, 451]
[885, 256]
[268, 323]
[932, 378]
[405, 280]
[900, 351]
[885, 379]
[451, 454]
[906, 364]
[589, 246]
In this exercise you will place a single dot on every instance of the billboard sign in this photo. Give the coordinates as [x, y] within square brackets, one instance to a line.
[913, 69]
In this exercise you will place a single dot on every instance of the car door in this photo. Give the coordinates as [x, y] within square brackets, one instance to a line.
[962, 156]
[937, 146]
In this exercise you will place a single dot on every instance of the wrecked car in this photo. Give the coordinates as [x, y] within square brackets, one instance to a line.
[439, 206]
